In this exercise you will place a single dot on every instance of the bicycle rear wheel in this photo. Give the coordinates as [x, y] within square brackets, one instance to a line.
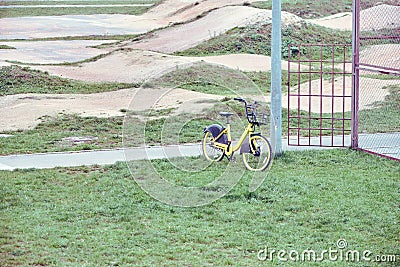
[262, 156]
[210, 152]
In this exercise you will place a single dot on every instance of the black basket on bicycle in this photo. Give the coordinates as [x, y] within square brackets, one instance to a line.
[257, 118]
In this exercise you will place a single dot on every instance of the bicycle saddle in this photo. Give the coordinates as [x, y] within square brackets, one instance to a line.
[226, 114]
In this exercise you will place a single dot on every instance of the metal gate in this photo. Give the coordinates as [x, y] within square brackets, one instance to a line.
[376, 70]
[319, 99]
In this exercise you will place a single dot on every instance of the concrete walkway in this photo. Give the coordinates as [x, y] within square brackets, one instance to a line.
[105, 157]
[389, 144]
[97, 157]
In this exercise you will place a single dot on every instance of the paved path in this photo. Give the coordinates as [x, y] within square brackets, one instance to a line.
[104, 157]
[99, 157]
[389, 144]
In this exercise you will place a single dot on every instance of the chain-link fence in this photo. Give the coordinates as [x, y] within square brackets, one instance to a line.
[377, 74]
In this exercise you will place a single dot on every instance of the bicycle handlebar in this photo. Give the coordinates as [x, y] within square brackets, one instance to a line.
[245, 102]
[250, 109]
[239, 99]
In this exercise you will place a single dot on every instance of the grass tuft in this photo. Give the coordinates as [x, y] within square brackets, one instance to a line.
[20, 80]
[256, 39]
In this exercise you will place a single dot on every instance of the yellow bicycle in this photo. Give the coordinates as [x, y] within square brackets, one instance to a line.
[255, 149]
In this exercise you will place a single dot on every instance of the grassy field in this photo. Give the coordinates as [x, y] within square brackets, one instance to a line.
[256, 39]
[98, 216]
[6, 47]
[20, 80]
[78, 10]
[219, 80]
[48, 136]
[383, 116]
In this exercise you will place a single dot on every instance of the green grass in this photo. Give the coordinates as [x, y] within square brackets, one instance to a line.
[314, 121]
[57, 11]
[218, 80]
[6, 47]
[321, 8]
[207, 78]
[256, 39]
[98, 216]
[48, 135]
[18, 80]
[384, 116]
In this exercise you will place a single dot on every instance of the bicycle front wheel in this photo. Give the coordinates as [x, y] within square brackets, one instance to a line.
[261, 158]
[210, 152]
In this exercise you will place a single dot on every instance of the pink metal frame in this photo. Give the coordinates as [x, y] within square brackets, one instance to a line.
[332, 68]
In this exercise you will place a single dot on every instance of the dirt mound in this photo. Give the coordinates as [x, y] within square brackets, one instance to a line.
[178, 11]
[219, 21]
[340, 21]
[380, 17]
[120, 66]
[374, 18]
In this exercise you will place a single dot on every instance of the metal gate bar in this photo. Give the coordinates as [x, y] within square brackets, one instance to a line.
[313, 108]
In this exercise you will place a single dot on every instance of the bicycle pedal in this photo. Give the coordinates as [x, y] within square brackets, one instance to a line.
[232, 159]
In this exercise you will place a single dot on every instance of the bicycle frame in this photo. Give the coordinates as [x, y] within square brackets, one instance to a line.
[228, 148]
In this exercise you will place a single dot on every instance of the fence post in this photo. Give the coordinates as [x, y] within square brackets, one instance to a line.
[356, 74]
[276, 77]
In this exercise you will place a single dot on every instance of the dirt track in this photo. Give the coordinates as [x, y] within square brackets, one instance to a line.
[136, 65]
[162, 15]
[374, 18]
[14, 115]
[185, 36]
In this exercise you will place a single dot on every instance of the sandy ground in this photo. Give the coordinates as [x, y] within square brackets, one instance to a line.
[126, 66]
[163, 15]
[74, 25]
[375, 18]
[51, 52]
[138, 66]
[340, 21]
[14, 115]
[371, 90]
[185, 36]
